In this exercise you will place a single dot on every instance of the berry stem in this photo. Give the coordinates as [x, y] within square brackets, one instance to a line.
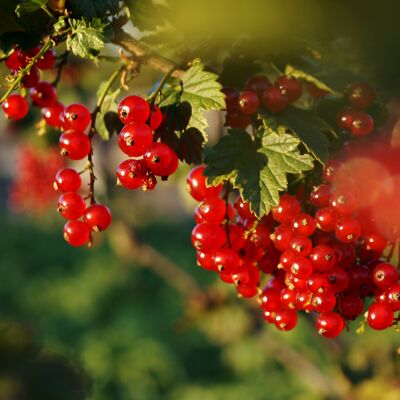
[47, 46]
[63, 61]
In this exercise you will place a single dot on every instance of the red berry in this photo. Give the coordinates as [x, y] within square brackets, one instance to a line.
[282, 237]
[270, 299]
[362, 125]
[286, 320]
[286, 259]
[345, 254]
[158, 158]
[318, 283]
[290, 87]
[325, 219]
[361, 95]
[16, 60]
[351, 306]
[155, 118]
[247, 291]
[375, 242]
[329, 324]
[258, 84]
[226, 261]
[243, 209]
[76, 116]
[67, 180]
[52, 114]
[173, 165]
[208, 238]
[320, 196]
[236, 236]
[338, 280]
[274, 100]
[393, 297]
[135, 139]
[385, 275]
[76, 233]
[47, 61]
[237, 120]
[348, 230]
[247, 274]
[196, 185]
[206, 261]
[74, 144]
[31, 79]
[288, 299]
[323, 302]
[343, 204]
[380, 316]
[315, 91]
[287, 209]
[97, 217]
[43, 94]
[71, 205]
[304, 224]
[302, 245]
[303, 299]
[149, 182]
[231, 98]
[323, 258]
[301, 267]
[248, 102]
[133, 109]
[131, 174]
[213, 210]
[345, 119]
[15, 107]
[330, 169]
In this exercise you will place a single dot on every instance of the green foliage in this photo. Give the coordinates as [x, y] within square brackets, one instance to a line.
[258, 168]
[29, 6]
[147, 15]
[86, 38]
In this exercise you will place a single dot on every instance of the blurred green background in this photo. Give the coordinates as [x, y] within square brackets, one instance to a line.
[134, 318]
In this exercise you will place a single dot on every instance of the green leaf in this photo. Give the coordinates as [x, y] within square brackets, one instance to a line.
[87, 38]
[201, 90]
[338, 78]
[29, 6]
[94, 8]
[309, 129]
[258, 171]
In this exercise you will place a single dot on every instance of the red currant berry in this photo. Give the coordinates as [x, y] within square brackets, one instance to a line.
[52, 114]
[385, 275]
[286, 259]
[158, 158]
[237, 120]
[76, 116]
[155, 118]
[31, 79]
[247, 291]
[173, 165]
[74, 144]
[288, 299]
[338, 280]
[315, 91]
[149, 182]
[351, 306]
[293, 282]
[15, 107]
[243, 209]
[196, 185]
[301, 245]
[67, 180]
[393, 297]
[133, 109]
[375, 242]
[47, 61]
[362, 125]
[361, 95]
[323, 302]
[227, 278]
[71, 205]
[97, 217]
[318, 283]
[258, 84]
[287, 209]
[76, 233]
[348, 230]
[208, 238]
[290, 87]
[213, 210]
[231, 98]
[301, 267]
[16, 60]
[43, 94]
[131, 174]
[323, 258]
[304, 224]
[135, 139]
[345, 119]
[380, 316]
[329, 324]
[320, 196]
[236, 236]
[343, 204]
[330, 169]
[286, 320]
[270, 299]
[226, 261]
[248, 102]
[325, 219]
[282, 237]
[345, 254]
[274, 100]
[247, 274]
[206, 261]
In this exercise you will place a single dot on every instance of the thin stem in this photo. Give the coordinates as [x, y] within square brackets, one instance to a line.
[60, 66]
[47, 11]
[159, 87]
[47, 46]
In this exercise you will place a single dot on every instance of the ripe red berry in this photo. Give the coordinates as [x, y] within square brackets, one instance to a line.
[213, 210]
[286, 320]
[155, 118]
[282, 237]
[323, 258]
[76, 233]
[323, 302]
[43, 94]
[345, 119]
[343, 204]
[158, 158]
[135, 139]
[320, 196]
[247, 291]
[248, 102]
[133, 109]
[15, 107]
[287, 209]
[97, 217]
[348, 230]
[52, 114]
[393, 297]
[270, 299]
[274, 100]
[208, 238]
[31, 79]
[330, 169]
[303, 224]
[325, 219]
[338, 280]
[290, 87]
[173, 165]
[16, 60]
[329, 324]
[318, 283]
[258, 84]
[315, 91]
[288, 298]
[380, 316]
[301, 267]
[361, 95]
[74, 144]
[76, 116]
[71, 205]
[302, 245]
[47, 61]
[236, 236]
[196, 185]
[237, 120]
[226, 260]
[362, 124]
[131, 174]
[206, 261]
[375, 242]
[231, 98]
[67, 180]
[385, 275]
[243, 209]
[351, 306]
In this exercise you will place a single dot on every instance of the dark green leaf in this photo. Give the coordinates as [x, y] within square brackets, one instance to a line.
[29, 6]
[338, 78]
[25, 40]
[94, 8]
[109, 104]
[259, 173]
[112, 122]
[147, 14]
[191, 146]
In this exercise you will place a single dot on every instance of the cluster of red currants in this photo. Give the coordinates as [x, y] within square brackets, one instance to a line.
[353, 119]
[318, 262]
[136, 139]
[259, 91]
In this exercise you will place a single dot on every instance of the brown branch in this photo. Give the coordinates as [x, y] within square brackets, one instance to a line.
[145, 55]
